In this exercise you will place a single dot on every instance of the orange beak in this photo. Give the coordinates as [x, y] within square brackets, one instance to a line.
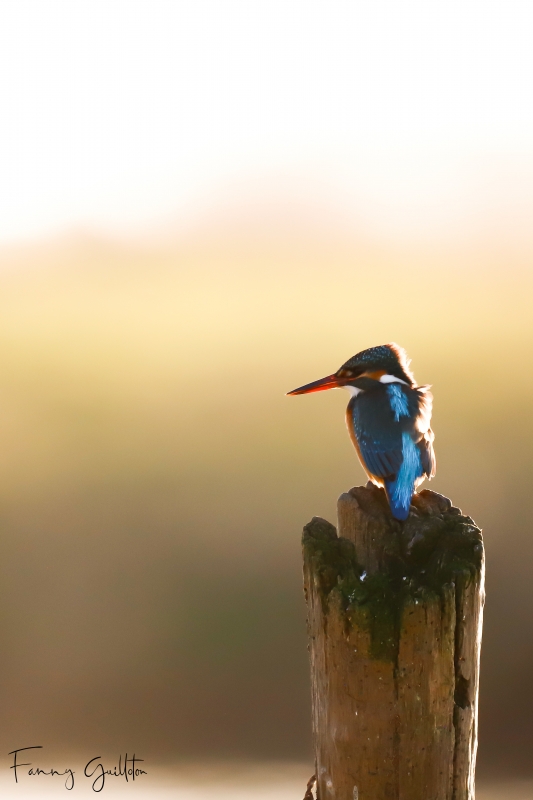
[330, 382]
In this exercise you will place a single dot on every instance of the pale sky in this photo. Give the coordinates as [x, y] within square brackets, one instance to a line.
[123, 115]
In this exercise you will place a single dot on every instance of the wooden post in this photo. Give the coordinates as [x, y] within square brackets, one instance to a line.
[394, 622]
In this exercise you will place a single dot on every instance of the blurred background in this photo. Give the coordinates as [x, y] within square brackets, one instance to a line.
[202, 206]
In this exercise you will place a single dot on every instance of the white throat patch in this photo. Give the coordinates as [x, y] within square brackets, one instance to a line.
[354, 391]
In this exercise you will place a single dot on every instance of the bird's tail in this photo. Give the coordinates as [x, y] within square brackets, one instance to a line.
[399, 498]
[401, 487]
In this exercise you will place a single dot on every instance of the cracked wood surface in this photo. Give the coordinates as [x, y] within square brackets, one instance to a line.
[394, 621]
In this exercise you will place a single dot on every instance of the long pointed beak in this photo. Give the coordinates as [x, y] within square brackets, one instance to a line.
[330, 382]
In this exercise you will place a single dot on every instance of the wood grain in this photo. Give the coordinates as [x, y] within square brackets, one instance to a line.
[394, 622]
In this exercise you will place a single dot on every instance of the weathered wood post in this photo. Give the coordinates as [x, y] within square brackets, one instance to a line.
[394, 622]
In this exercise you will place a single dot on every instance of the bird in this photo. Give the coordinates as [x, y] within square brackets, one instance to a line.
[388, 419]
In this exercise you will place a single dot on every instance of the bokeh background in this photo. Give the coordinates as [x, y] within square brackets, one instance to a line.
[202, 206]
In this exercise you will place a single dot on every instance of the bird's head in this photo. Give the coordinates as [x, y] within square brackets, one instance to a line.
[386, 363]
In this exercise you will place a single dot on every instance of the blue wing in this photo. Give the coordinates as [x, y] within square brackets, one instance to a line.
[389, 425]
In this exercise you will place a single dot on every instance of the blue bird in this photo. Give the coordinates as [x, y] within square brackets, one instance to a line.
[388, 419]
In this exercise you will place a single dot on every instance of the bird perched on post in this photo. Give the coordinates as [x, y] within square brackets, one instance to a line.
[388, 419]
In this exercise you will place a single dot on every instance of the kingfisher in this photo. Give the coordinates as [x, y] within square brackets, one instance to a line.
[388, 419]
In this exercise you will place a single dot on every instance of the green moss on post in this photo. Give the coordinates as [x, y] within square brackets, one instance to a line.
[395, 627]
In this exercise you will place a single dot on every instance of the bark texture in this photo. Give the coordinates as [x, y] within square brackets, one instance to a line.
[394, 620]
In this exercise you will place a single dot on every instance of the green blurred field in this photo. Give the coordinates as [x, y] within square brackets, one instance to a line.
[154, 479]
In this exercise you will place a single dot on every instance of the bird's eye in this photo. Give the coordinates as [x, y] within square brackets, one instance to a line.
[345, 373]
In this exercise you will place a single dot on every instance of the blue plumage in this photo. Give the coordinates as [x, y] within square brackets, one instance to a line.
[388, 420]
[389, 425]
[400, 489]
[398, 401]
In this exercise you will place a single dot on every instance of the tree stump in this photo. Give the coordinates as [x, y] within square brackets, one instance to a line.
[394, 622]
